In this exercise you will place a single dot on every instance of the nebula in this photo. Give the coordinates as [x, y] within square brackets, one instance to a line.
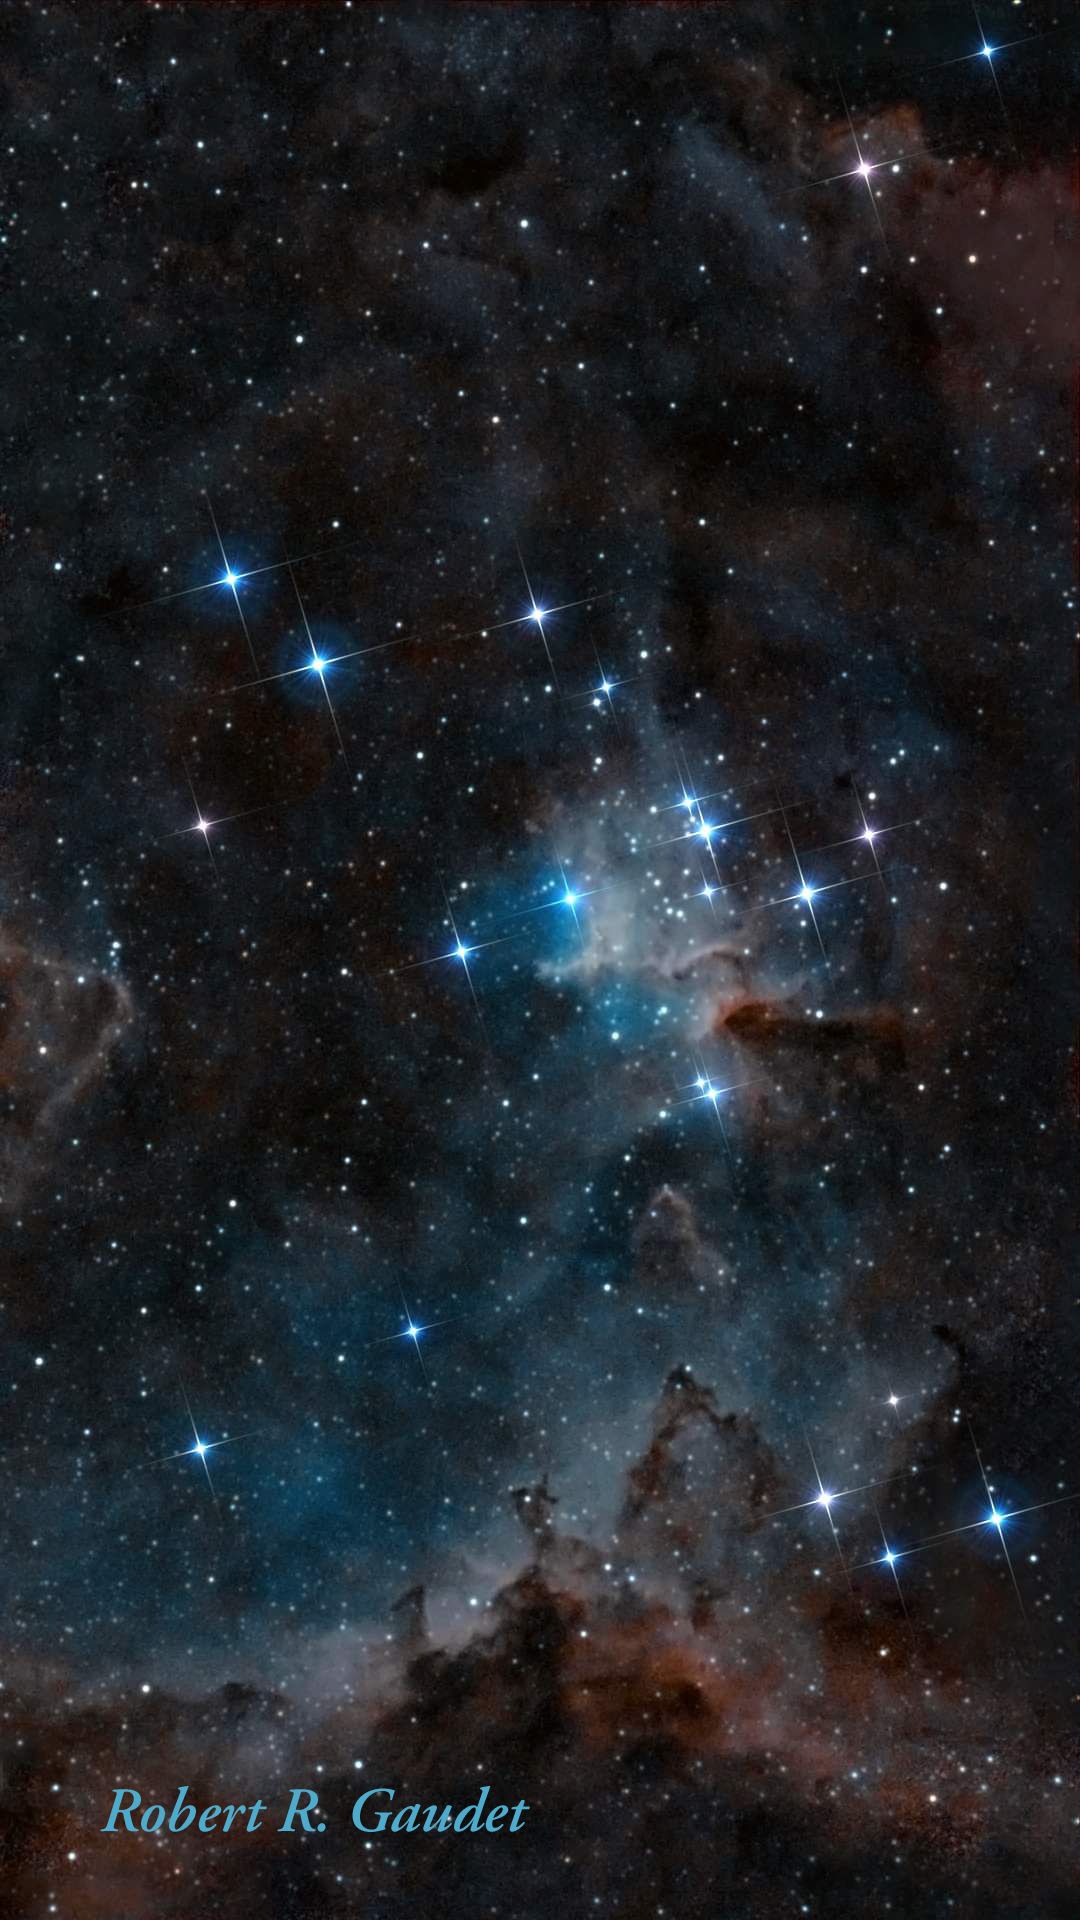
[533, 1027]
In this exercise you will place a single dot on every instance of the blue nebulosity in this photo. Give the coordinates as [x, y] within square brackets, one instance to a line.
[596, 595]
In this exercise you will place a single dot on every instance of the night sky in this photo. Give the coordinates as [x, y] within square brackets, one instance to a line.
[535, 772]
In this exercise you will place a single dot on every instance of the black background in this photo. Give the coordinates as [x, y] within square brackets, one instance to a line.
[451, 305]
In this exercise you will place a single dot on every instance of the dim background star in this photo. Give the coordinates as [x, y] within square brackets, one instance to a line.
[538, 559]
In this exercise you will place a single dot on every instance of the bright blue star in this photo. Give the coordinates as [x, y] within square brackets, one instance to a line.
[317, 664]
[201, 1449]
[604, 690]
[996, 1519]
[412, 1330]
[806, 894]
[229, 579]
[704, 1087]
[889, 1559]
[570, 897]
[462, 951]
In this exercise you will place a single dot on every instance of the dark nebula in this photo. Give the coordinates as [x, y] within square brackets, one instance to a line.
[534, 1187]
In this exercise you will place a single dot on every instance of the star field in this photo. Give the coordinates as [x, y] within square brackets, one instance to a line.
[535, 1168]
